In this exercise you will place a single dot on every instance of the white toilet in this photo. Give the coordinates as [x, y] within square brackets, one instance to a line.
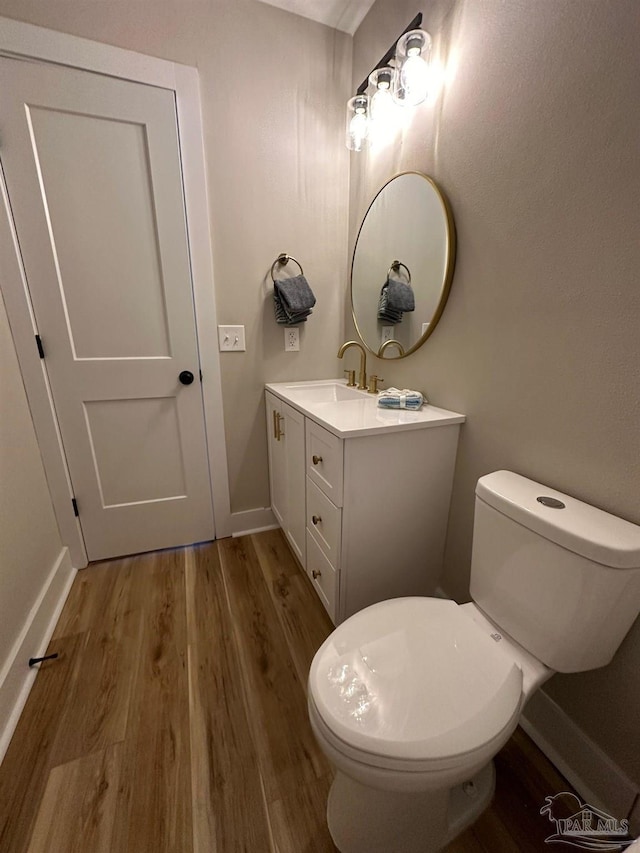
[411, 698]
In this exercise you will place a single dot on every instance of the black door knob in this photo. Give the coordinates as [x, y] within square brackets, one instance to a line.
[186, 377]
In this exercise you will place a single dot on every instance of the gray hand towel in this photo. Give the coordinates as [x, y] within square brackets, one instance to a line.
[385, 313]
[283, 317]
[400, 296]
[295, 294]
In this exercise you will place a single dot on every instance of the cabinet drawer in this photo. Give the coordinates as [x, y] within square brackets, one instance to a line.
[324, 522]
[323, 576]
[324, 461]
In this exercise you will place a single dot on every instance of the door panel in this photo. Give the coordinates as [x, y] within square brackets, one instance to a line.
[127, 439]
[74, 152]
[93, 172]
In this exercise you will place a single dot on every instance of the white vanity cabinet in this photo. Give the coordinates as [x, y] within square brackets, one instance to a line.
[286, 442]
[375, 501]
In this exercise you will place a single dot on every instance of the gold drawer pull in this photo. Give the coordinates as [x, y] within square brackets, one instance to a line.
[316, 460]
[316, 574]
[316, 519]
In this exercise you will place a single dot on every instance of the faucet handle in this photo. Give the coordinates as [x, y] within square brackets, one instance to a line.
[373, 383]
[351, 378]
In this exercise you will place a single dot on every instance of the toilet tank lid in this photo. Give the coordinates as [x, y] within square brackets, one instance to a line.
[579, 527]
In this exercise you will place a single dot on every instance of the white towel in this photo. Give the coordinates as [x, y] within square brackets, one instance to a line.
[394, 398]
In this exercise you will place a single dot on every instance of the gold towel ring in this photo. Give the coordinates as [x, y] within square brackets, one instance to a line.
[395, 267]
[282, 260]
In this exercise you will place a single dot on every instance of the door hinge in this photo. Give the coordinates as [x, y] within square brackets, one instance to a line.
[200, 372]
[39, 345]
[74, 504]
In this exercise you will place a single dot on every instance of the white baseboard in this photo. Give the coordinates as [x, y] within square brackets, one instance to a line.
[16, 679]
[595, 776]
[252, 521]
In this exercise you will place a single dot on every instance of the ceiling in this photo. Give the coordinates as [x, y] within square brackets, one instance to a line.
[344, 15]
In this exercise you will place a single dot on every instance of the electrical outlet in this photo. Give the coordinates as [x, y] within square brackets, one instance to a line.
[231, 339]
[387, 333]
[292, 339]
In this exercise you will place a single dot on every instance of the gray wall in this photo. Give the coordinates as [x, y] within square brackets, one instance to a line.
[29, 538]
[278, 175]
[535, 141]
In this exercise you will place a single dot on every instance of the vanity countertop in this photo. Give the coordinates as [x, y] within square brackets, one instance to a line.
[348, 413]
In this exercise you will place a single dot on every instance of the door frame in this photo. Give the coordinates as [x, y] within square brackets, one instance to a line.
[26, 41]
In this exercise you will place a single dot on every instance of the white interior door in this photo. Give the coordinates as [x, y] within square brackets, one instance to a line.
[92, 167]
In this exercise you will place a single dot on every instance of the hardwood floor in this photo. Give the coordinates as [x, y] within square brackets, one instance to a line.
[175, 719]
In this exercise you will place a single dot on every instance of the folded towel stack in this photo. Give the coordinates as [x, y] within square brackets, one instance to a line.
[396, 297]
[293, 300]
[394, 398]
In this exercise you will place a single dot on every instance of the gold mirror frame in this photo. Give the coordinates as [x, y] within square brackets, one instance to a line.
[449, 265]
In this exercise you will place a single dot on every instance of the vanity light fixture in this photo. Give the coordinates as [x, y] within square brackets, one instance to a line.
[401, 76]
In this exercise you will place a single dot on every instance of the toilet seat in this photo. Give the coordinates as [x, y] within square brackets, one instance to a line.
[414, 683]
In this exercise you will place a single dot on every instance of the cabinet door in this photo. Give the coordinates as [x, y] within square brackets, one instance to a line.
[295, 517]
[277, 459]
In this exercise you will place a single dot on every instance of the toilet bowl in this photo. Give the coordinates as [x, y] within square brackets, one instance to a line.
[411, 698]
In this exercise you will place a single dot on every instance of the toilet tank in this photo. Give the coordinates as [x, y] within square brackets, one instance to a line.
[562, 578]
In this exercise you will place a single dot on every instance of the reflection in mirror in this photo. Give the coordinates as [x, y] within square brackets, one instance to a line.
[402, 265]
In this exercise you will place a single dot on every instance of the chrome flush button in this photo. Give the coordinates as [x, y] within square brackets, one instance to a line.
[554, 503]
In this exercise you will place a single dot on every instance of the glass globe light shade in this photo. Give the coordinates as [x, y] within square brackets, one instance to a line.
[411, 80]
[357, 122]
[382, 104]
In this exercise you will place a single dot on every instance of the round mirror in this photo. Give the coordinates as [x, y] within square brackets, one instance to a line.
[402, 265]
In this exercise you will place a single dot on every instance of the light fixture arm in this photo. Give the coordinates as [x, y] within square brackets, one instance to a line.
[414, 25]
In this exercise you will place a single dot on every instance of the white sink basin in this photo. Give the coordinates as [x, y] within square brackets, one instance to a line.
[322, 392]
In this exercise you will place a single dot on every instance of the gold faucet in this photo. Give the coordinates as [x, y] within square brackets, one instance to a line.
[362, 379]
[391, 342]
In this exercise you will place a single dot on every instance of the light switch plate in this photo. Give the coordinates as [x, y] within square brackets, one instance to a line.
[231, 338]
